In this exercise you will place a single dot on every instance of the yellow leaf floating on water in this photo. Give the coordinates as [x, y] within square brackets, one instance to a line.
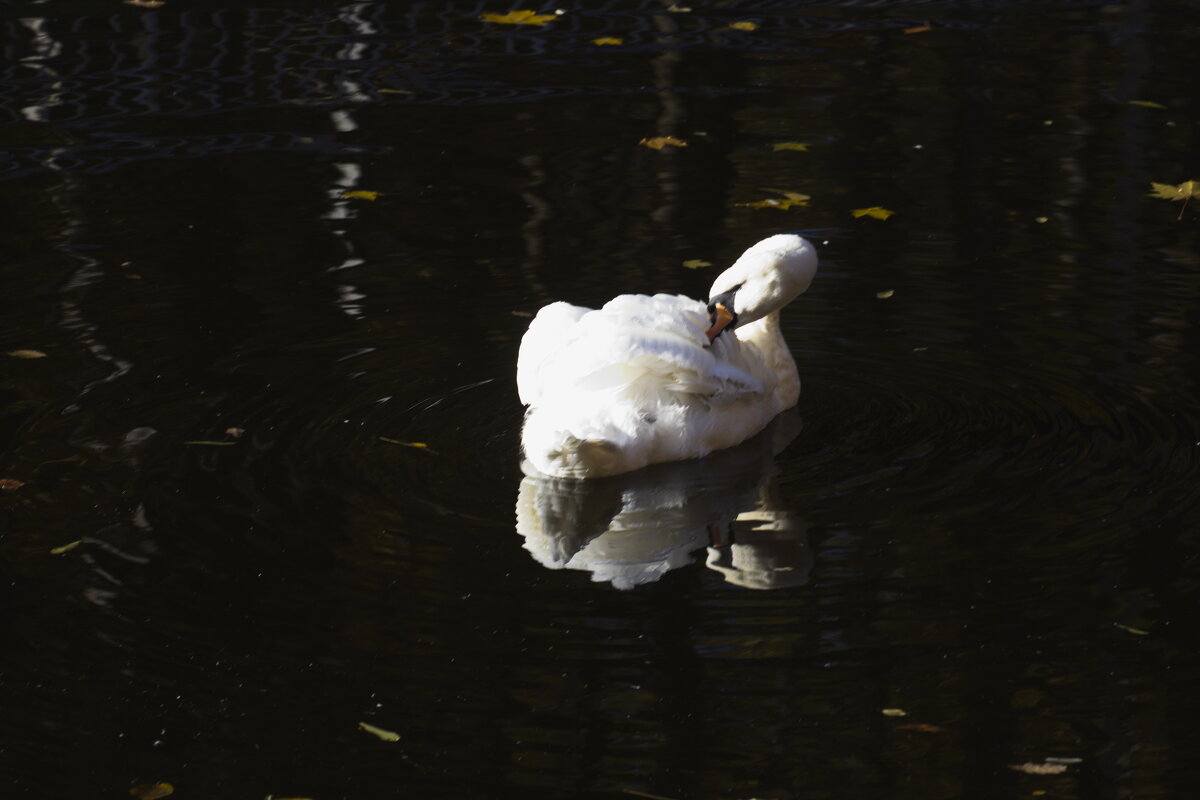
[518, 18]
[152, 791]
[10, 484]
[918, 29]
[1131, 629]
[26, 354]
[894, 712]
[884, 295]
[788, 200]
[415, 445]
[603, 40]
[799, 147]
[659, 142]
[744, 26]
[145, 3]
[1184, 191]
[1166, 191]
[1147, 104]
[66, 548]
[875, 212]
[697, 263]
[360, 194]
[382, 733]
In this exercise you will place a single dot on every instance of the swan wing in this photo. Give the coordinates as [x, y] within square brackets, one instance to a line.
[544, 339]
[635, 346]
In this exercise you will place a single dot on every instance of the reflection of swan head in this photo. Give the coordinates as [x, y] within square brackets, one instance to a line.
[633, 529]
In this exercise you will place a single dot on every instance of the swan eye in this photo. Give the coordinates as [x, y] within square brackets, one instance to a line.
[725, 299]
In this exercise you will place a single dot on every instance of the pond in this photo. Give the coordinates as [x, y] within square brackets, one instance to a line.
[264, 527]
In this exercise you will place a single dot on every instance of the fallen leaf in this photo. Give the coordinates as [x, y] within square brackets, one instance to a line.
[884, 295]
[152, 791]
[677, 9]
[518, 18]
[235, 432]
[788, 200]
[209, 443]
[360, 194]
[697, 263]
[1147, 104]
[603, 40]
[744, 26]
[1130, 629]
[659, 142]
[875, 212]
[66, 548]
[132, 276]
[416, 445]
[26, 354]
[799, 147]
[145, 4]
[10, 484]
[386, 735]
[1029, 768]
[894, 712]
[1184, 191]
[919, 726]
[918, 29]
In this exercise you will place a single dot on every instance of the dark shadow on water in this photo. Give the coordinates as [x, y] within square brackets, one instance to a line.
[633, 529]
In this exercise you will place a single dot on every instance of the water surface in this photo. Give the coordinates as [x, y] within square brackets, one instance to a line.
[982, 514]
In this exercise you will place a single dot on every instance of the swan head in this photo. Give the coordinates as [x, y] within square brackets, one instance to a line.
[764, 279]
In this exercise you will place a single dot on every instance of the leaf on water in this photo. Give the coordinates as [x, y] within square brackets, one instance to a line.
[236, 433]
[799, 147]
[697, 263]
[920, 727]
[1166, 191]
[918, 29]
[1147, 104]
[415, 445]
[894, 712]
[1131, 629]
[209, 443]
[884, 295]
[152, 791]
[659, 142]
[360, 194]
[10, 484]
[677, 9]
[875, 212]
[145, 3]
[385, 735]
[66, 548]
[26, 354]
[518, 18]
[744, 26]
[603, 40]
[1029, 768]
[788, 200]
[1184, 191]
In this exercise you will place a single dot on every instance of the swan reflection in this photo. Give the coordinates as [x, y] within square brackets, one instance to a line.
[634, 528]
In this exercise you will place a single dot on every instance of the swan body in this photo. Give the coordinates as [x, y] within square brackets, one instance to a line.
[650, 379]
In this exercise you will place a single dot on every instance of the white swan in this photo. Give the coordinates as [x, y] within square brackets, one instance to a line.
[645, 380]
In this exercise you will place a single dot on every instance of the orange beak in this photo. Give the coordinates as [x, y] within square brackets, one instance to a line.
[722, 316]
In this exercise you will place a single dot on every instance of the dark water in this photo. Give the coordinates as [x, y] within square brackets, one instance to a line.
[984, 512]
